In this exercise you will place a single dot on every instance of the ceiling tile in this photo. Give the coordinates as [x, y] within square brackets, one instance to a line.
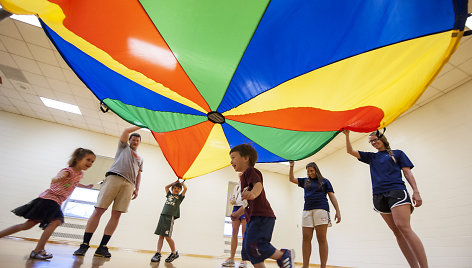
[4, 101]
[45, 116]
[462, 53]
[62, 120]
[2, 46]
[92, 121]
[80, 124]
[61, 61]
[9, 108]
[7, 60]
[64, 97]
[56, 113]
[10, 93]
[450, 80]
[430, 94]
[93, 113]
[72, 78]
[51, 71]
[39, 108]
[75, 117]
[45, 92]
[82, 91]
[467, 66]
[16, 47]
[86, 103]
[31, 98]
[8, 28]
[6, 82]
[43, 54]
[59, 85]
[33, 34]
[36, 79]
[446, 68]
[26, 64]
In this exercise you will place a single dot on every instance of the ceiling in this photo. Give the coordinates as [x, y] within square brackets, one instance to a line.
[31, 67]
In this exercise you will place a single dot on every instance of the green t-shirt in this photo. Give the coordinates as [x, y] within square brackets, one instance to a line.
[172, 205]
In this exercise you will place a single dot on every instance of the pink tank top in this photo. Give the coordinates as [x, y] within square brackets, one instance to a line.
[61, 190]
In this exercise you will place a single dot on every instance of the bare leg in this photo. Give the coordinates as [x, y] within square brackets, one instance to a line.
[18, 227]
[94, 219]
[113, 222]
[402, 243]
[306, 245]
[243, 223]
[46, 234]
[401, 217]
[160, 243]
[321, 231]
[259, 265]
[171, 243]
[234, 238]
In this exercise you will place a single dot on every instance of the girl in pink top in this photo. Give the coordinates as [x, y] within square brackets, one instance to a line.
[46, 209]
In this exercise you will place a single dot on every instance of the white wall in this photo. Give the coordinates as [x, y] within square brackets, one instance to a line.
[435, 137]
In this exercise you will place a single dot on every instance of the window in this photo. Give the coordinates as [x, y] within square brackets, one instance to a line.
[81, 202]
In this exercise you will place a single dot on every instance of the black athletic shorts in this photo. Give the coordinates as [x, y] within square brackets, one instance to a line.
[384, 202]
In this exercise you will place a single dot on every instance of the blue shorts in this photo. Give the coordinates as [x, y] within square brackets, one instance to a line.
[384, 202]
[242, 216]
[256, 242]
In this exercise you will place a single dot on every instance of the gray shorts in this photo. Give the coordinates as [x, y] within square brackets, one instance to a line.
[384, 202]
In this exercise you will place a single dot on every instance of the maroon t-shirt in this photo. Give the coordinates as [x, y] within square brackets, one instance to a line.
[259, 206]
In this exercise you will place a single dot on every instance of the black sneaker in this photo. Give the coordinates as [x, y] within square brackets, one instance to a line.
[172, 257]
[102, 251]
[157, 257]
[82, 250]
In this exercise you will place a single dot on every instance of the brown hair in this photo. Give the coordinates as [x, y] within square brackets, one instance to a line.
[319, 177]
[78, 155]
[246, 150]
[176, 184]
[384, 140]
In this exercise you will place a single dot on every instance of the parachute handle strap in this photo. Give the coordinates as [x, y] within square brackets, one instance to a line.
[380, 135]
[103, 107]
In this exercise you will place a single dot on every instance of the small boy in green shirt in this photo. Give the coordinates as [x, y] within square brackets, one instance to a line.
[170, 212]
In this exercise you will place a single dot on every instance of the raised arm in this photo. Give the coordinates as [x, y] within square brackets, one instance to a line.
[167, 187]
[291, 177]
[349, 149]
[254, 193]
[126, 132]
[334, 201]
[417, 201]
[185, 188]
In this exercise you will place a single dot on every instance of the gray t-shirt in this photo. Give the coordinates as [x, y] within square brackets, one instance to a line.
[127, 162]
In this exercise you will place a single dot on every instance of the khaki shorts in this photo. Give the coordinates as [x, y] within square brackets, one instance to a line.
[314, 217]
[115, 189]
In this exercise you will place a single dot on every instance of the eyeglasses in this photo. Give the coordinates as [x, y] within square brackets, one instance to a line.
[373, 140]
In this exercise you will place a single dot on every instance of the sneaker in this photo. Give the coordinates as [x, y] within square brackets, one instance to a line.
[242, 264]
[41, 255]
[82, 249]
[172, 257]
[157, 257]
[287, 259]
[228, 263]
[102, 251]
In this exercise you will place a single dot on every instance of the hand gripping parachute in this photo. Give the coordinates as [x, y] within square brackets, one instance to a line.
[284, 76]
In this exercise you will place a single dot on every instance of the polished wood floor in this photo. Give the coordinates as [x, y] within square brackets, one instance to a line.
[14, 252]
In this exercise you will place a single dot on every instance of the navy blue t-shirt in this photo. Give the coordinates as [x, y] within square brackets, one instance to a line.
[386, 175]
[315, 197]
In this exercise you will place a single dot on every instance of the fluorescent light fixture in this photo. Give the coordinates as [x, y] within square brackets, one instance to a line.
[30, 19]
[468, 23]
[61, 105]
[145, 129]
[285, 163]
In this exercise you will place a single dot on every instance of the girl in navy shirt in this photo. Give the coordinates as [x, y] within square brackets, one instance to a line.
[315, 211]
[390, 196]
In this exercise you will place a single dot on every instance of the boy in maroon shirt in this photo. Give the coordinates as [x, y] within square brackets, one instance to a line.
[261, 219]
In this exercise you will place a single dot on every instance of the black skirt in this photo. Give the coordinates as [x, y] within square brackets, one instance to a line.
[40, 210]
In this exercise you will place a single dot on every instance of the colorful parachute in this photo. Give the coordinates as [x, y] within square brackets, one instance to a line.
[283, 75]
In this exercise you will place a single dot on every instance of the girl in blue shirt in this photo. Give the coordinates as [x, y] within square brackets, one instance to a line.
[390, 196]
[315, 211]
